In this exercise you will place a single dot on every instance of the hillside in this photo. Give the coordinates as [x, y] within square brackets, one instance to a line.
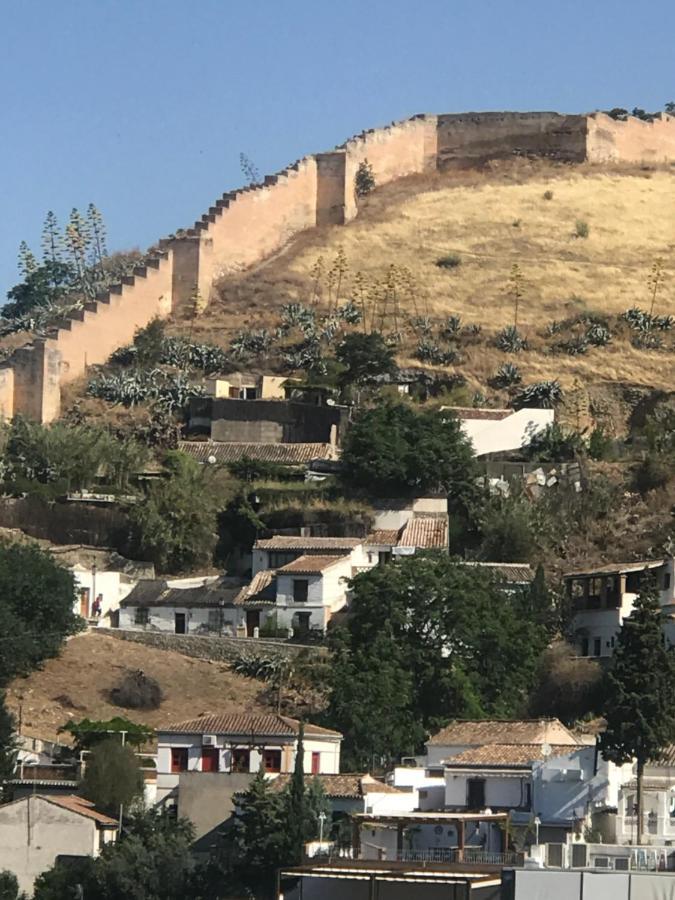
[490, 218]
[77, 684]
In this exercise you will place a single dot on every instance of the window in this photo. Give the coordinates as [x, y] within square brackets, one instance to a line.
[141, 615]
[316, 763]
[584, 646]
[597, 647]
[179, 759]
[527, 798]
[300, 590]
[666, 581]
[272, 760]
[210, 759]
[383, 557]
[241, 760]
[215, 620]
[475, 793]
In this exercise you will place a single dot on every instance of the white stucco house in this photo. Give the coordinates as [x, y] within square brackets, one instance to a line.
[37, 830]
[242, 743]
[603, 597]
[200, 605]
[500, 430]
[99, 593]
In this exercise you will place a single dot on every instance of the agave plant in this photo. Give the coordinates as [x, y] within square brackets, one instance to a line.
[542, 395]
[507, 375]
[297, 315]
[639, 320]
[575, 346]
[350, 313]
[251, 343]
[510, 340]
[429, 351]
[451, 327]
[598, 335]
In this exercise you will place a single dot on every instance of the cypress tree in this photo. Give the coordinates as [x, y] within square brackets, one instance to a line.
[640, 705]
[296, 805]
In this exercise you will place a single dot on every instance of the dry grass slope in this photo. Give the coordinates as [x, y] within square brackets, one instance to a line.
[492, 219]
[77, 684]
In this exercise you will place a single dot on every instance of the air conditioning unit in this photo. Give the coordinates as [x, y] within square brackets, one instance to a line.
[622, 864]
[209, 740]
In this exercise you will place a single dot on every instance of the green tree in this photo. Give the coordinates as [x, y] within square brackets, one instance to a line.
[364, 356]
[87, 733]
[112, 776]
[149, 344]
[640, 703]
[394, 450]
[364, 180]
[508, 530]
[318, 805]
[372, 700]
[43, 286]
[435, 638]
[296, 805]
[152, 861]
[260, 836]
[175, 525]
[9, 886]
[36, 608]
[8, 746]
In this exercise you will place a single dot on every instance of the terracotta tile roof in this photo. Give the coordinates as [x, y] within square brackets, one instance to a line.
[387, 537]
[262, 589]
[156, 592]
[80, 806]
[489, 731]
[505, 755]
[244, 725]
[307, 544]
[468, 412]
[511, 573]
[348, 786]
[310, 565]
[281, 454]
[425, 532]
[619, 568]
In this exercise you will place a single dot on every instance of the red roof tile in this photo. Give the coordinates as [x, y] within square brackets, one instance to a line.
[491, 731]
[244, 725]
[316, 544]
[505, 754]
[310, 565]
[282, 454]
[425, 532]
[80, 806]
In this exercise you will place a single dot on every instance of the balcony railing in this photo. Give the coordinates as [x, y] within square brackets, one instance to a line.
[475, 855]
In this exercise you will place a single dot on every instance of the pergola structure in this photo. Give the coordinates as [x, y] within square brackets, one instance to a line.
[401, 821]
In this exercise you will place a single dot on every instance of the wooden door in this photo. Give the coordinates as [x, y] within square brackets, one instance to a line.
[84, 603]
[180, 623]
[316, 763]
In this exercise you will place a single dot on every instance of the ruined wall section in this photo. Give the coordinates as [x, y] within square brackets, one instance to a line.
[87, 337]
[632, 141]
[243, 227]
[472, 138]
[400, 149]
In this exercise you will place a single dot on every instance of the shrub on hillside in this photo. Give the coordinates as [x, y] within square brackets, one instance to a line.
[428, 351]
[449, 261]
[652, 473]
[581, 229]
[548, 195]
[556, 444]
[136, 690]
[575, 346]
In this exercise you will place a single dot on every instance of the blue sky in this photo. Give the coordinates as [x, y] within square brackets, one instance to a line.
[143, 106]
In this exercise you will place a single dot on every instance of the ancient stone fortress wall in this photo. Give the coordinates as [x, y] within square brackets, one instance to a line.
[245, 226]
[632, 141]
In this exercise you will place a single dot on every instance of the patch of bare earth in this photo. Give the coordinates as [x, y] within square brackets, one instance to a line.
[77, 685]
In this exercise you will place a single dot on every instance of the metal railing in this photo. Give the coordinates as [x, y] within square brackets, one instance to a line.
[476, 855]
